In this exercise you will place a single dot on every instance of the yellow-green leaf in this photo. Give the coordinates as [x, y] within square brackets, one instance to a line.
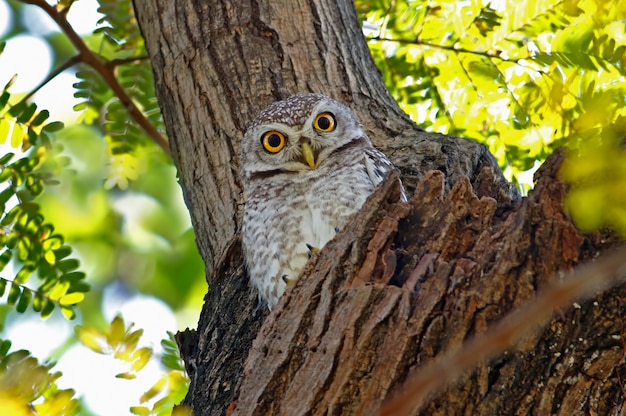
[17, 135]
[182, 410]
[154, 390]
[59, 290]
[141, 358]
[68, 312]
[91, 338]
[140, 410]
[72, 298]
[126, 376]
[5, 126]
[50, 257]
[116, 332]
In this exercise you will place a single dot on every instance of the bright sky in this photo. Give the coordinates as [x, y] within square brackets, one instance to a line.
[90, 374]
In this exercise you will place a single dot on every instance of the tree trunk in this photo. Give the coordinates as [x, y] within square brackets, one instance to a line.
[402, 283]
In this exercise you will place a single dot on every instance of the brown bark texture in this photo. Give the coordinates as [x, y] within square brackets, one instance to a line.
[403, 282]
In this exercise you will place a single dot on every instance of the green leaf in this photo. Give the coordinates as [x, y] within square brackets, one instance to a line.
[5, 175]
[6, 194]
[53, 127]
[68, 265]
[5, 346]
[5, 96]
[172, 362]
[24, 273]
[10, 216]
[62, 252]
[24, 301]
[47, 310]
[39, 302]
[5, 258]
[6, 158]
[14, 294]
[74, 277]
[40, 118]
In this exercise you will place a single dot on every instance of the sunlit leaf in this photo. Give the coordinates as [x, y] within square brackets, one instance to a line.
[68, 312]
[116, 333]
[126, 376]
[154, 390]
[72, 298]
[59, 290]
[17, 135]
[90, 337]
[139, 410]
[141, 358]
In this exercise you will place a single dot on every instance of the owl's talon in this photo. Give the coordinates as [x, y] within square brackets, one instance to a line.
[286, 279]
[337, 229]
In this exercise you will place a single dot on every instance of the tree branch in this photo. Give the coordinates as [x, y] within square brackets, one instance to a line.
[90, 58]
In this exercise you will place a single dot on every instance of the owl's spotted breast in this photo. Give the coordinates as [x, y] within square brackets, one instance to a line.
[322, 173]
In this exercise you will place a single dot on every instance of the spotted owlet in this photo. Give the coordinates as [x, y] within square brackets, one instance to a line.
[307, 166]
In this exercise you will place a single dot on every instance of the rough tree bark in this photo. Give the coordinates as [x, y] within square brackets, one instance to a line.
[403, 282]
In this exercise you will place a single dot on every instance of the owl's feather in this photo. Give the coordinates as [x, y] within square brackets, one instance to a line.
[290, 204]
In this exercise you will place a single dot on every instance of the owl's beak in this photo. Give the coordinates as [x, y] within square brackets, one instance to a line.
[308, 155]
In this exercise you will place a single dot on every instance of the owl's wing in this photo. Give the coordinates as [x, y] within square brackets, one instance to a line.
[378, 167]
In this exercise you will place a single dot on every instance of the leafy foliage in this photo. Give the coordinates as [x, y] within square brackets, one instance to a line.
[121, 342]
[521, 77]
[122, 47]
[25, 236]
[28, 387]
[598, 174]
[175, 381]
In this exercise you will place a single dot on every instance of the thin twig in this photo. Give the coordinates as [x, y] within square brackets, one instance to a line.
[90, 58]
[582, 283]
[444, 47]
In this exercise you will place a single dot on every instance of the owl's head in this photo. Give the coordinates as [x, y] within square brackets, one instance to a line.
[299, 134]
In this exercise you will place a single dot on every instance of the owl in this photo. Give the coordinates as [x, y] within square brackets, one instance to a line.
[307, 166]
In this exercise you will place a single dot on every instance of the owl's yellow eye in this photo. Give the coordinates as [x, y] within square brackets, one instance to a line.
[324, 122]
[273, 141]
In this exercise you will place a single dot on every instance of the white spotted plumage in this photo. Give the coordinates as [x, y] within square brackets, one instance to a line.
[292, 201]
